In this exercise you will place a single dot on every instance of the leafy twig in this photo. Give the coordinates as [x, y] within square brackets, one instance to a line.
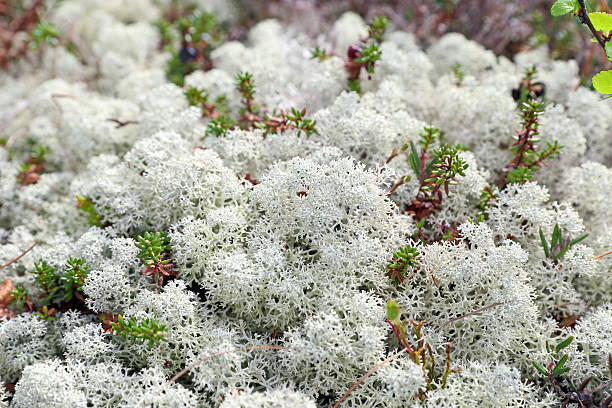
[583, 15]
[154, 253]
[147, 330]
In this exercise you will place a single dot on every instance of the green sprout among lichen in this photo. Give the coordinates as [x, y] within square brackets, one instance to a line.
[63, 287]
[558, 245]
[198, 35]
[220, 125]
[528, 158]
[19, 298]
[487, 196]
[557, 368]
[405, 260]
[75, 273]
[86, 205]
[44, 33]
[366, 54]
[148, 330]
[457, 71]
[154, 253]
[377, 28]
[319, 54]
[421, 353]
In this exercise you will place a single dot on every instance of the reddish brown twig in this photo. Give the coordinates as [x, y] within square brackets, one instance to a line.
[365, 377]
[204, 359]
[478, 311]
[598, 257]
[23, 22]
[12, 261]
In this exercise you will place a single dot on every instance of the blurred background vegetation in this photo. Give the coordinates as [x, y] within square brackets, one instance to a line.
[504, 26]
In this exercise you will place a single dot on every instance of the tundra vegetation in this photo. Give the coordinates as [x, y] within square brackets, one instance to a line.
[378, 214]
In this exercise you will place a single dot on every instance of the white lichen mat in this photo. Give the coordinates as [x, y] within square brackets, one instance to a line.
[284, 239]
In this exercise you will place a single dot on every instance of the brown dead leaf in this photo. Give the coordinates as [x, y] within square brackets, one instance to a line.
[6, 290]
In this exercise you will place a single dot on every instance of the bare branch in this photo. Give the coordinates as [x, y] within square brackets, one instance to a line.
[598, 257]
[397, 185]
[365, 377]
[204, 359]
[121, 123]
[393, 155]
[19, 257]
[478, 311]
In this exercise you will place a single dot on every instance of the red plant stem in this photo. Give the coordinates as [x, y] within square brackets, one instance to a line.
[524, 141]
[545, 156]
[402, 340]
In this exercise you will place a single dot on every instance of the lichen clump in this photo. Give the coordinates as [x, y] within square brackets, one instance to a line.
[187, 220]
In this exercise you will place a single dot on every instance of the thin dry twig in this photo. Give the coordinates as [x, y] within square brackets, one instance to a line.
[477, 311]
[121, 123]
[12, 261]
[11, 114]
[55, 97]
[393, 155]
[365, 377]
[204, 359]
[598, 257]
[397, 185]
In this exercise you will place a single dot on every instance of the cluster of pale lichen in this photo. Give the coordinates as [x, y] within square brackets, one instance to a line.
[350, 220]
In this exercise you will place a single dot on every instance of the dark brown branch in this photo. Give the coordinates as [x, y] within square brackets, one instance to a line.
[583, 15]
[121, 123]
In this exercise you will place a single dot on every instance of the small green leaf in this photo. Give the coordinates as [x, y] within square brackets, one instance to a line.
[430, 165]
[602, 82]
[564, 344]
[577, 240]
[562, 7]
[601, 21]
[414, 160]
[544, 244]
[538, 367]
[393, 310]
[560, 254]
[562, 371]
[609, 50]
[558, 369]
[556, 236]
